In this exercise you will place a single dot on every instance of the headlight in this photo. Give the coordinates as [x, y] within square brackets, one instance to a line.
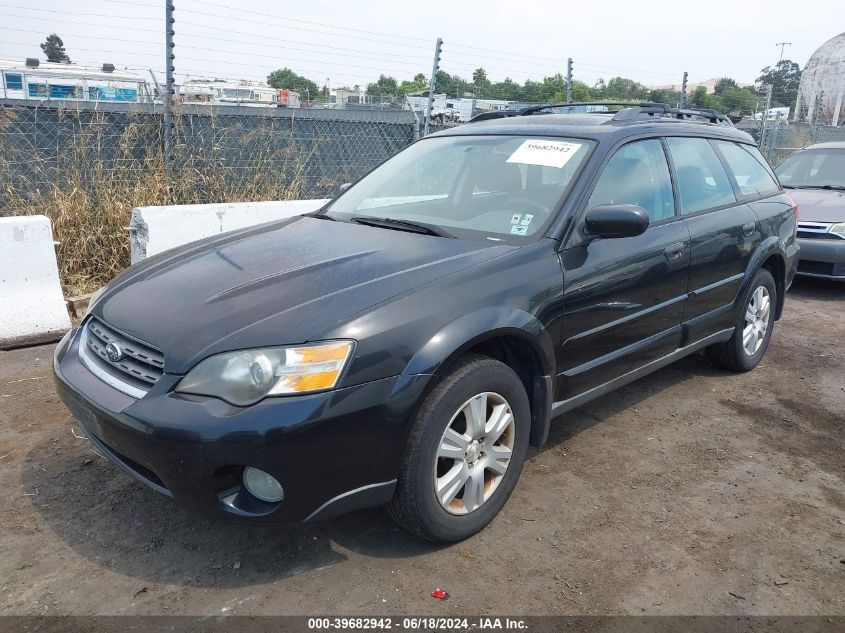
[838, 229]
[245, 377]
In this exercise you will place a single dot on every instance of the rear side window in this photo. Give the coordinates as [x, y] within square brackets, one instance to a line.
[637, 174]
[702, 181]
[752, 177]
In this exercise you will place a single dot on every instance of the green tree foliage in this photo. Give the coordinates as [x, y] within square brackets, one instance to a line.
[54, 49]
[383, 86]
[784, 79]
[722, 84]
[286, 78]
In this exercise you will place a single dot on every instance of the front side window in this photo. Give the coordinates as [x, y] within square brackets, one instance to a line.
[637, 174]
[815, 168]
[497, 188]
[702, 181]
[747, 165]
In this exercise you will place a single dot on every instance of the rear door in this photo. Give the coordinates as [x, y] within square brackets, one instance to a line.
[724, 231]
[624, 298]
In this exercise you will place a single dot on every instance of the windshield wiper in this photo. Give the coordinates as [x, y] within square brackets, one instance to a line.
[402, 225]
[828, 187]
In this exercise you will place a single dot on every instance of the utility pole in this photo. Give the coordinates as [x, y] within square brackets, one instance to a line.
[782, 46]
[569, 80]
[169, 89]
[432, 85]
[683, 101]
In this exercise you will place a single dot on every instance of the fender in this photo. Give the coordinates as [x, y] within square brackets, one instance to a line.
[772, 245]
[464, 332]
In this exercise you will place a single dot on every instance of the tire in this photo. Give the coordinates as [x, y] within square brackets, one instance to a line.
[735, 354]
[430, 500]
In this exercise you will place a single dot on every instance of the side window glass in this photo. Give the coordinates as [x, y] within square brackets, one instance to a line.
[637, 174]
[702, 181]
[753, 178]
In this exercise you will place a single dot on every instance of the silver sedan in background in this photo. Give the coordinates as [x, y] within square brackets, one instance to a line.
[815, 177]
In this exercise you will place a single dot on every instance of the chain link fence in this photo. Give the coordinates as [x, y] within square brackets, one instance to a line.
[781, 137]
[86, 166]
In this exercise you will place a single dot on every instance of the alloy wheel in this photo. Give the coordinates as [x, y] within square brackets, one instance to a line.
[474, 453]
[756, 320]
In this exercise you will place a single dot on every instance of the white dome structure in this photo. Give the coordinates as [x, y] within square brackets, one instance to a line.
[822, 91]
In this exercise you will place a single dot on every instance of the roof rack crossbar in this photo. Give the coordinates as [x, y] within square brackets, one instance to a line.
[578, 104]
[649, 110]
[630, 111]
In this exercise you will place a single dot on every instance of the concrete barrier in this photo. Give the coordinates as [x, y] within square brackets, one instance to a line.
[33, 308]
[156, 229]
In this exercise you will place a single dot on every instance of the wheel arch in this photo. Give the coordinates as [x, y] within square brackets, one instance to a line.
[511, 336]
[770, 255]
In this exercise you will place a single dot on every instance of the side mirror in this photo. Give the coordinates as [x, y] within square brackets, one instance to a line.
[616, 220]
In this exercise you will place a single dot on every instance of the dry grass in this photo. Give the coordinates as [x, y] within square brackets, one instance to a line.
[95, 177]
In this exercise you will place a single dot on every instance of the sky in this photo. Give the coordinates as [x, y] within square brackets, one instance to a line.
[351, 42]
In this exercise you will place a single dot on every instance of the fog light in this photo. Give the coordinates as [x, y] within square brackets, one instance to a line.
[263, 485]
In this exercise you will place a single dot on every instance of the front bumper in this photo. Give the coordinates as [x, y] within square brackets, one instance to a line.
[823, 258]
[332, 452]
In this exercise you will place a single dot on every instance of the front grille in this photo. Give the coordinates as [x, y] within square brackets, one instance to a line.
[812, 235]
[139, 365]
[814, 268]
[816, 231]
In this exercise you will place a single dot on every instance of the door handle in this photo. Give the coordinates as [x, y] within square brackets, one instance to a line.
[748, 228]
[673, 252]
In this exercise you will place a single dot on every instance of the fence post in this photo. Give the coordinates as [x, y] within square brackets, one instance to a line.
[765, 117]
[432, 85]
[169, 92]
[773, 139]
[569, 80]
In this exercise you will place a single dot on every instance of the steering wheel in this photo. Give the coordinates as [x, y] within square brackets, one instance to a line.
[521, 203]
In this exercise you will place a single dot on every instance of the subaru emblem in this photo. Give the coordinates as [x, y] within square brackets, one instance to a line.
[114, 352]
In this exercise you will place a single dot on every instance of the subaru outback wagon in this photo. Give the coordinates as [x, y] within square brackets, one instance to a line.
[404, 345]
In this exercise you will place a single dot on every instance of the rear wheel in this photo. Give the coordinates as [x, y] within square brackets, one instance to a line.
[465, 453]
[754, 322]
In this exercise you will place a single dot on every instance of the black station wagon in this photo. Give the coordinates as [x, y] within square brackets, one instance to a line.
[405, 344]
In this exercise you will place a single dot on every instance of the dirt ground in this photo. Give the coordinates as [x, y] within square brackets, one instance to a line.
[692, 491]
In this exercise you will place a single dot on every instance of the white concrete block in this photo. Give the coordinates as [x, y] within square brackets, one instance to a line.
[33, 307]
[156, 229]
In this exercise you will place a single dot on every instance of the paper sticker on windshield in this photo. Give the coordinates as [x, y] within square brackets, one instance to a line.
[546, 153]
[526, 219]
[516, 217]
[519, 230]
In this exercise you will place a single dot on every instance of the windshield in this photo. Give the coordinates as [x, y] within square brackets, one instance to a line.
[497, 188]
[813, 168]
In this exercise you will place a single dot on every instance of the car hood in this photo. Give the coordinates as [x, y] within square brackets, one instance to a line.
[819, 205]
[275, 284]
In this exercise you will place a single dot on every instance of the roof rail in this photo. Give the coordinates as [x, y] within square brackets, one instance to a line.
[661, 110]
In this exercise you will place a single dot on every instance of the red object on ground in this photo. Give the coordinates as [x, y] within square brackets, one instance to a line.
[440, 594]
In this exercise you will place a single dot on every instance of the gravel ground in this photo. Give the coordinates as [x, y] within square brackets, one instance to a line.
[692, 491]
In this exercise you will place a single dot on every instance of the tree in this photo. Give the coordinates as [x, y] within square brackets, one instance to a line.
[479, 79]
[383, 86]
[784, 79]
[420, 78]
[286, 78]
[722, 84]
[54, 49]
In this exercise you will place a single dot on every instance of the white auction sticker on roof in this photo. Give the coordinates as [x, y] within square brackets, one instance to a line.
[541, 152]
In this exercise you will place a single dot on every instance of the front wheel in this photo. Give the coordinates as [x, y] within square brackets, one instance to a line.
[754, 322]
[465, 453]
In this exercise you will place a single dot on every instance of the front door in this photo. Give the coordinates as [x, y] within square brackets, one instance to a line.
[624, 297]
